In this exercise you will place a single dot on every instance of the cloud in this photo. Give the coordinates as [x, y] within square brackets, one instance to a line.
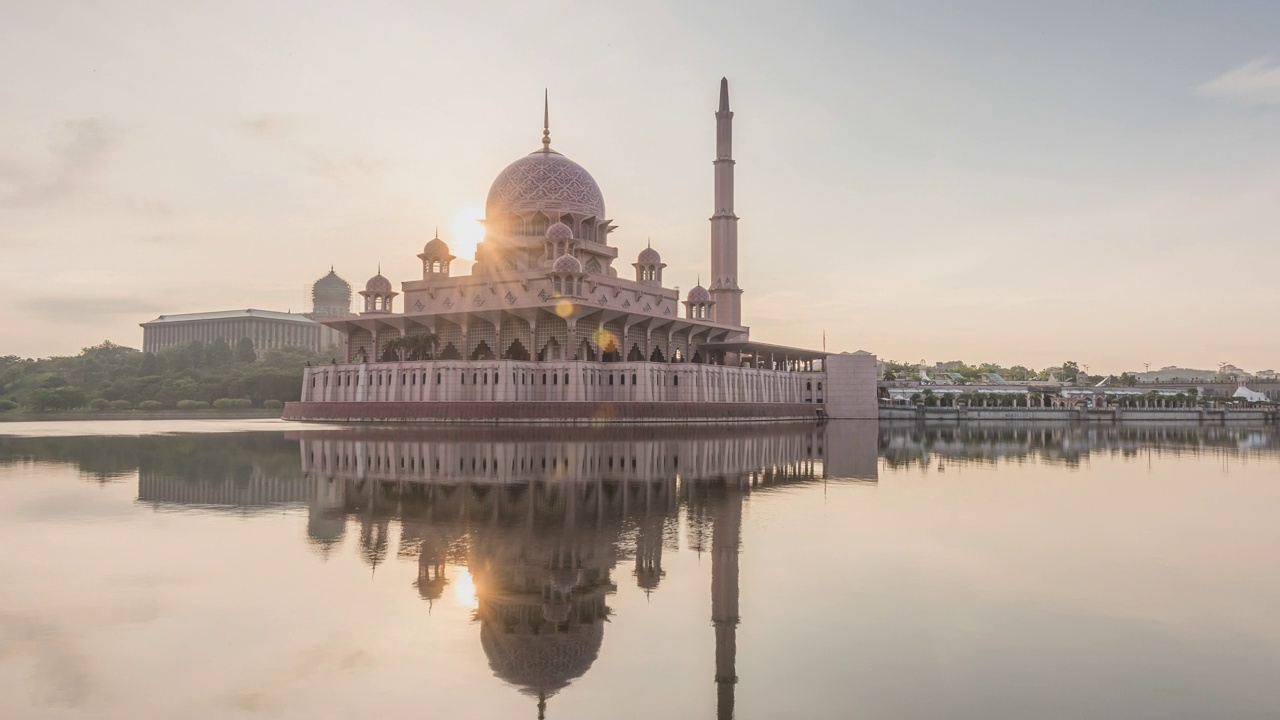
[1254, 84]
[88, 310]
[78, 150]
[283, 132]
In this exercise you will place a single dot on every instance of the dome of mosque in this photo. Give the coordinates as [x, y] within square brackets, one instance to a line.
[699, 294]
[378, 284]
[559, 231]
[545, 662]
[649, 256]
[545, 181]
[567, 264]
[436, 248]
[331, 290]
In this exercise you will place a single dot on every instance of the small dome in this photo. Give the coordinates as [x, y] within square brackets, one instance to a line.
[567, 264]
[378, 284]
[559, 231]
[699, 294]
[649, 256]
[436, 248]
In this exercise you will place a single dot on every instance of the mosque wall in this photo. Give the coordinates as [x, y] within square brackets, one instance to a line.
[564, 381]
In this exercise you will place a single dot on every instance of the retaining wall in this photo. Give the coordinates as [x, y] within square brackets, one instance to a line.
[548, 412]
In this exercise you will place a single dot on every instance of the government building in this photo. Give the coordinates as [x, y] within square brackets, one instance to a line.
[551, 325]
[268, 329]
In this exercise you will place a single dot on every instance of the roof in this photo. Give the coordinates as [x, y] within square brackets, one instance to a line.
[232, 315]
[750, 347]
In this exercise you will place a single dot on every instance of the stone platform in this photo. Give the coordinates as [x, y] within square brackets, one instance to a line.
[567, 413]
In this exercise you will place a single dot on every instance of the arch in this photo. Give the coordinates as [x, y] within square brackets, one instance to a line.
[540, 224]
[517, 351]
[587, 230]
[551, 351]
[593, 266]
[609, 351]
[515, 224]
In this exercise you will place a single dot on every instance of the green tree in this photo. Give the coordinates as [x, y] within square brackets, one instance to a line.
[218, 354]
[245, 352]
[1070, 371]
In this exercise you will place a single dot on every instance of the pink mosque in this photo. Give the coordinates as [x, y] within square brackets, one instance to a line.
[546, 327]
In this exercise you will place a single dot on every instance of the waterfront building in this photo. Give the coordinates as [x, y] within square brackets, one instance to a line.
[546, 315]
[268, 329]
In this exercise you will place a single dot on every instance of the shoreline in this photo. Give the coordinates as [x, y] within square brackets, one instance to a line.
[80, 415]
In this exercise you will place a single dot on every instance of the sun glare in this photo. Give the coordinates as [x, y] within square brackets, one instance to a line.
[464, 589]
[467, 232]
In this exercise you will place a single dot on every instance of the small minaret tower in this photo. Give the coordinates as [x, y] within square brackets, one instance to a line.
[727, 296]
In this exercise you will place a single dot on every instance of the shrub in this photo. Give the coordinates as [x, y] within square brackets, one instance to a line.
[150, 405]
[232, 403]
[99, 404]
[121, 405]
[8, 405]
[193, 405]
[272, 404]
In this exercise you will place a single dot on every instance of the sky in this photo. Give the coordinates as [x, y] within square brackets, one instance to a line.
[1017, 182]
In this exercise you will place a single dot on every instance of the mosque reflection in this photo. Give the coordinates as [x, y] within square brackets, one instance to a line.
[543, 518]
[547, 522]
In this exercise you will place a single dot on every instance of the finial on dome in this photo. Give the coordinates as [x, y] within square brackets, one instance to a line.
[437, 232]
[724, 94]
[649, 241]
[546, 121]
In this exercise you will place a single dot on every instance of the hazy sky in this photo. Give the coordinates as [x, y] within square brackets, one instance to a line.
[1020, 182]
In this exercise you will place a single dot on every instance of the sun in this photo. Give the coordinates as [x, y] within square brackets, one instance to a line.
[467, 231]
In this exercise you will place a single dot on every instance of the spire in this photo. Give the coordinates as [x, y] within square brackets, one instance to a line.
[724, 94]
[546, 122]
[437, 232]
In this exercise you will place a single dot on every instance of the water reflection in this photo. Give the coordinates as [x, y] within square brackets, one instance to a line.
[537, 528]
[542, 519]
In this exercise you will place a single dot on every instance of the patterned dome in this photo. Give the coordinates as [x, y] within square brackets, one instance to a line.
[567, 264]
[436, 248]
[699, 294]
[330, 291]
[649, 256]
[545, 662]
[545, 181]
[378, 284]
[559, 231]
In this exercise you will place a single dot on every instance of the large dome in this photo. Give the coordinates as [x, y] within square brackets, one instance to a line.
[545, 181]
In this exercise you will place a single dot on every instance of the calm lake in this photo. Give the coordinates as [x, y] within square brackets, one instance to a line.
[259, 569]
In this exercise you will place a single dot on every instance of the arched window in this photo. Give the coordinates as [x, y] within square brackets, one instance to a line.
[566, 378]
[675, 380]
[593, 266]
[540, 224]
[556, 283]
[555, 379]
[633, 378]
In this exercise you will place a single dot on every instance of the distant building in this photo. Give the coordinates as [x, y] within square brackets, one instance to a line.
[268, 329]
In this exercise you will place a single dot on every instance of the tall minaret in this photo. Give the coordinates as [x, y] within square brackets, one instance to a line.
[725, 293]
[726, 533]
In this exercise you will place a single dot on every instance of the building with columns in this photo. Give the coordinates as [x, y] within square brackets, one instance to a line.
[268, 329]
[548, 314]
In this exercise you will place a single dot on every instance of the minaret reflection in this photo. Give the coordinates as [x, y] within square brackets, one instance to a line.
[541, 518]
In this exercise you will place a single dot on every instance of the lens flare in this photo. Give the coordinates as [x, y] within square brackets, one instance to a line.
[564, 308]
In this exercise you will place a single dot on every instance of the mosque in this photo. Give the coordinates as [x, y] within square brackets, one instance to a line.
[548, 325]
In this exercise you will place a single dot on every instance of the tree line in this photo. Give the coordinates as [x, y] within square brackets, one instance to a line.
[197, 375]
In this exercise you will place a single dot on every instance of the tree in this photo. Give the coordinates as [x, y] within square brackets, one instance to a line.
[245, 352]
[1070, 371]
[218, 354]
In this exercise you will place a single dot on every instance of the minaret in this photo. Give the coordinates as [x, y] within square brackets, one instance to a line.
[727, 296]
[726, 532]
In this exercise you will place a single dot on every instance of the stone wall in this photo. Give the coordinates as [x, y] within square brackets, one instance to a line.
[851, 386]
[544, 412]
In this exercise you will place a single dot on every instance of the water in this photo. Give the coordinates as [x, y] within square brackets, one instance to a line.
[258, 569]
